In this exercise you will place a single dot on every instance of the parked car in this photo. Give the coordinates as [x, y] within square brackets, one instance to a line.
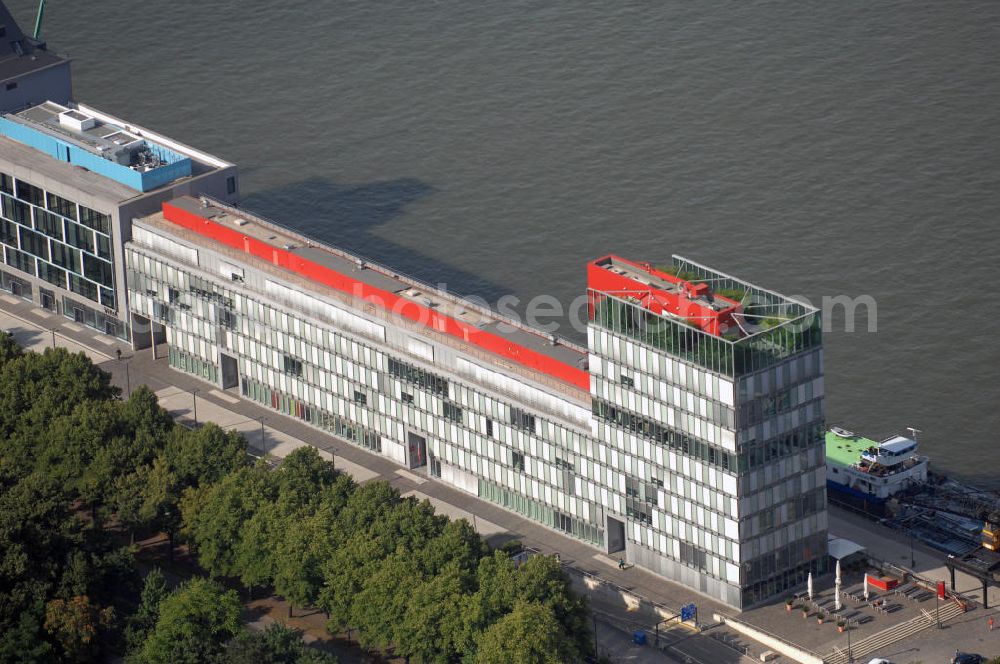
[967, 658]
[879, 660]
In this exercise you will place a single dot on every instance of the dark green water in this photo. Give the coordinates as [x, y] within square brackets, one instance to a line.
[817, 148]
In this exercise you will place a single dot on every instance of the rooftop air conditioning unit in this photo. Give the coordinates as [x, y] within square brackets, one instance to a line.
[76, 120]
[240, 222]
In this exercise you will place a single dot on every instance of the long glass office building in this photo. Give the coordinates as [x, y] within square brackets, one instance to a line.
[686, 437]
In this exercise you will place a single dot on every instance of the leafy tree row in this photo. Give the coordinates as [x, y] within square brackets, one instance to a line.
[79, 466]
[387, 567]
[73, 457]
[199, 623]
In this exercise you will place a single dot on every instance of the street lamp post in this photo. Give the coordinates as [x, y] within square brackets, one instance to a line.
[913, 561]
[194, 404]
[128, 382]
[850, 653]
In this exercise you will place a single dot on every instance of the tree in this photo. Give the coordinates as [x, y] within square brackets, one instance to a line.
[377, 611]
[141, 623]
[299, 554]
[542, 580]
[204, 455]
[41, 387]
[9, 348]
[23, 641]
[530, 634]
[496, 578]
[194, 624]
[303, 477]
[255, 560]
[275, 644]
[160, 496]
[37, 534]
[74, 624]
[433, 627]
[213, 516]
[458, 543]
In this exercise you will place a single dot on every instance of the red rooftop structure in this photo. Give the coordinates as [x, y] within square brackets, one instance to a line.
[663, 293]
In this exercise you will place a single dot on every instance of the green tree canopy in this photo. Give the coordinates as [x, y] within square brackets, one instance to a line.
[530, 634]
[194, 624]
[275, 644]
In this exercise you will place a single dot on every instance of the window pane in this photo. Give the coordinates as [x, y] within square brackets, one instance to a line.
[30, 193]
[21, 260]
[66, 257]
[83, 287]
[60, 205]
[94, 219]
[34, 243]
[79, 237]
[48, 223]
[52, 274]
[97, 270]
[103, 246]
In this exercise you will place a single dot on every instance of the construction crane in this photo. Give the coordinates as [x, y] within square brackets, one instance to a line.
[38, 19]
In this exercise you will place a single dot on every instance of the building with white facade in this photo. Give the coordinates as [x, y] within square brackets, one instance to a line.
[688, 435]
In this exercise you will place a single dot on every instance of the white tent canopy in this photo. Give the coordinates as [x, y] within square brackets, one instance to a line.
[840, 548]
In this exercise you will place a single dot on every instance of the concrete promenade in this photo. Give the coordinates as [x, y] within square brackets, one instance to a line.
[187, 398]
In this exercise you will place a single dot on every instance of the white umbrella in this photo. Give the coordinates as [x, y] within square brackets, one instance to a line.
[838, 571]
[866, 586]
[809, 586]
[836, 597]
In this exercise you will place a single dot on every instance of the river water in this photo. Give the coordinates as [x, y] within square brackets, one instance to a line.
[816, 148]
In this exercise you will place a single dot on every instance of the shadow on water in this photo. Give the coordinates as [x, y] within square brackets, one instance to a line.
[348, 216]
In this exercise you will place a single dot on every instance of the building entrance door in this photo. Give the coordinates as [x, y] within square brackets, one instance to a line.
[417, 450]
[77, 314]
[616, 535]
[48, 299]
[230, 371]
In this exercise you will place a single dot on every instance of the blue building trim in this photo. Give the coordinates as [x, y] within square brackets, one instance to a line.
[177, 165]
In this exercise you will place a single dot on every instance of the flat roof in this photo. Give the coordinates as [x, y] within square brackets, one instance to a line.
[654, 279]
[67, 174]
[14, 66]
[361, 270]
[108, 146]
[20, 53]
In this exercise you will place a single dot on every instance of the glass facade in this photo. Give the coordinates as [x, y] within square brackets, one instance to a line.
[66, 244]
[713, 465]
[315, 372]
[783, 335]
[748, 403]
